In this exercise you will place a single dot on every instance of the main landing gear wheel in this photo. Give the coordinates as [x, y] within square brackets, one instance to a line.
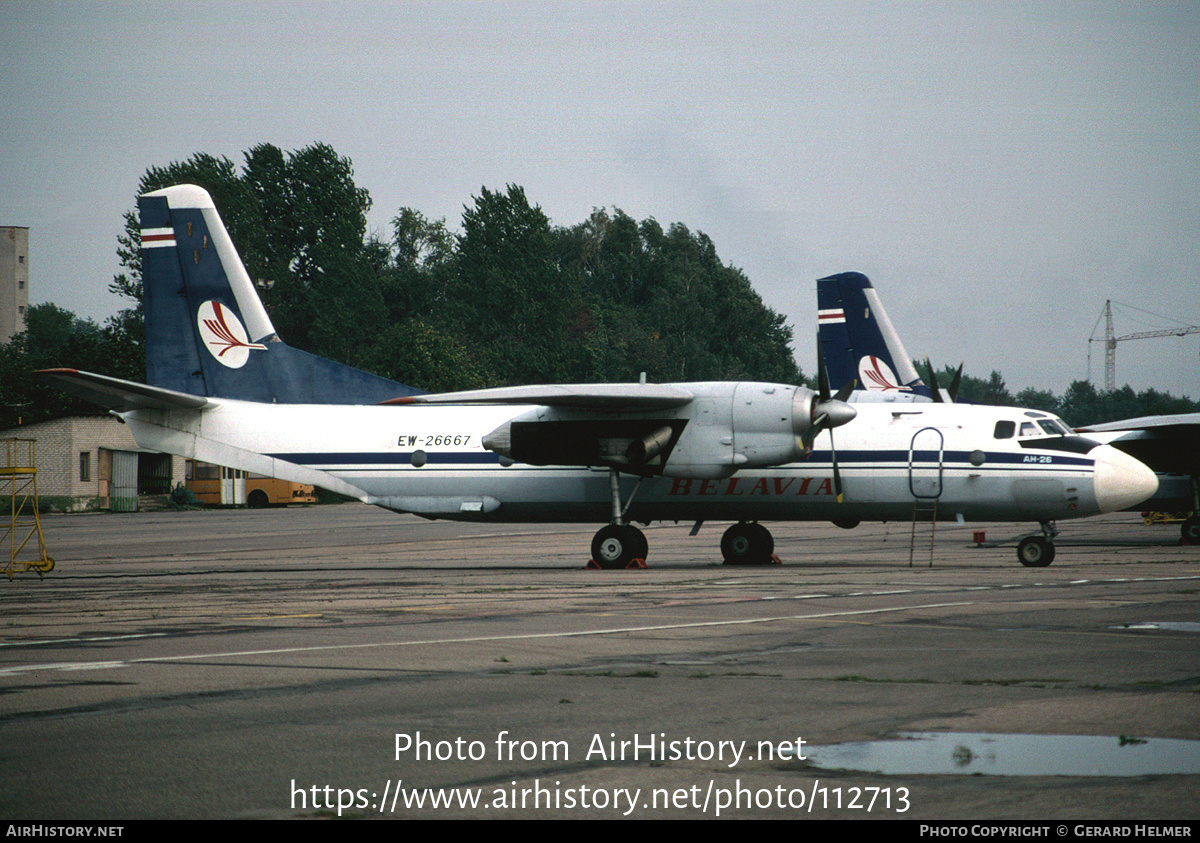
[747, 544]
[616, 545]
[1035, 552]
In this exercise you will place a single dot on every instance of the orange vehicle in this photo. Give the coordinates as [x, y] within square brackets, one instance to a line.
[217, 485]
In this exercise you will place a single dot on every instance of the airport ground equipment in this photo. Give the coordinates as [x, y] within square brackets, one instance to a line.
[18, 483]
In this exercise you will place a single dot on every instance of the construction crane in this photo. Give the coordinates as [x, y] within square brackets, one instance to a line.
[1110, 342]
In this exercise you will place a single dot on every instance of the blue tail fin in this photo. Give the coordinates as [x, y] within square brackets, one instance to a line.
[858, 340]
[207, 332]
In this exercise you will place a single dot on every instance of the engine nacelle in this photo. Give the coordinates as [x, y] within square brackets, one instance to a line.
[726, 426]
[749, 425]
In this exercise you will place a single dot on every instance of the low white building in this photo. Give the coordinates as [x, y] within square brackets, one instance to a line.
[93, 462]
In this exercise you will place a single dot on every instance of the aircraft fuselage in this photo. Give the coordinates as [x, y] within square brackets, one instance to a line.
[431, 460]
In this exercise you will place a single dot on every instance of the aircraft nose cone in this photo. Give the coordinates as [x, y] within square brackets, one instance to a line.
[1120, 480]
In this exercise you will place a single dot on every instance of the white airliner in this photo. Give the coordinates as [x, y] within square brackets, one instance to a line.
[224, 389]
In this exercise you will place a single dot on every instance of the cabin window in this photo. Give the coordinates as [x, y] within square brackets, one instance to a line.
[1028, 429]
[1005, 429]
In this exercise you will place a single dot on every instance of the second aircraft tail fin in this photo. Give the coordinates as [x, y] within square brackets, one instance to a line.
[858, 340]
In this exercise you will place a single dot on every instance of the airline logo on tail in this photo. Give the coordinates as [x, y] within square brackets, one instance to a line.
[873, 373]
[224, 335]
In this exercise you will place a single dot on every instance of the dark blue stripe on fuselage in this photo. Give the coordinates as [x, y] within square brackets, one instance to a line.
[950, 459]
[377, 458]
[889, 459]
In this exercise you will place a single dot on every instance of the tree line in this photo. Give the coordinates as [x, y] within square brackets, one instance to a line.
[507, 298]
[1081, 403]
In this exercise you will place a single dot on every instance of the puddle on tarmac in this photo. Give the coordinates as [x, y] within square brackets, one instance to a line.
[974, 753]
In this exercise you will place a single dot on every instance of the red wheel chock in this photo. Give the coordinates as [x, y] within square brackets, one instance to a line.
[634, 564]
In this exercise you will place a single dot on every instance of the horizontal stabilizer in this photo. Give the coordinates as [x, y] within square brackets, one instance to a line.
[121, 395]
[597, 396]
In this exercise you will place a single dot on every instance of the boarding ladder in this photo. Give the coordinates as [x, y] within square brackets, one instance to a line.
[925, 483]
[924, 511]
[18, 483]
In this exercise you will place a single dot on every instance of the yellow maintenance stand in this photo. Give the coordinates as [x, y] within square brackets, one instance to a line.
[18, 482]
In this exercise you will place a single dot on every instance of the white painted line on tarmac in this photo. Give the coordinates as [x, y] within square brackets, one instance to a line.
[81, 640]
[102, 665]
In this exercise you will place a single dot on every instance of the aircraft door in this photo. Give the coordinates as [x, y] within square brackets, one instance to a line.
[925, 463]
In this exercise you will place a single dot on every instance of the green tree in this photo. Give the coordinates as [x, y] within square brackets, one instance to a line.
[509, 292]
[413, 352]
[510, 299]
[664, 303]
[320, 284]
[419, 242]
[56, 338]
[1081, 404]
[1038, 399]
[416, 277]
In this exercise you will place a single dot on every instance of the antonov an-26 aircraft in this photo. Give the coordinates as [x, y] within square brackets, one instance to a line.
[224, 389]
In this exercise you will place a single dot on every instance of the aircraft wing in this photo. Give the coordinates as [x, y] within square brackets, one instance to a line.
[1140, 424]
[632, 397]
[121, 395]
[1165, 443]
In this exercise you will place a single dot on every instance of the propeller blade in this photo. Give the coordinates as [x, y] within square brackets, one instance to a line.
[955, 383]
[807, 437]
[844, 392]
[934, 389]
[822, 374]
[828, 412]
[837, 475]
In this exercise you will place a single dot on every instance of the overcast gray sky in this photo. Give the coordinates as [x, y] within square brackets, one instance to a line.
[997, 169]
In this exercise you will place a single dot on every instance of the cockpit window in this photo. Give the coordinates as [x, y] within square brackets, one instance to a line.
[1054, 427]
[1044, 426]
[1005, 429]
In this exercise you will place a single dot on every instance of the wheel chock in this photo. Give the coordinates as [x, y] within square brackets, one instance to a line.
[634, 564]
